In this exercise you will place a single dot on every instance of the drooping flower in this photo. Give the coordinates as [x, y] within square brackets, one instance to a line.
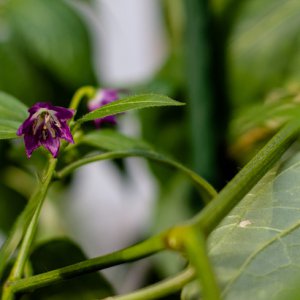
[103, 97]
[45, 126]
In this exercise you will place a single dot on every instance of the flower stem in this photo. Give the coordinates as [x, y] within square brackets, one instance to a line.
[39, 196]
[160, 289]
[86, 91]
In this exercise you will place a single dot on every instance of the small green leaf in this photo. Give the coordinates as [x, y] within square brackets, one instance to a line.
[59, 253]
[12, 114]
[129, 103]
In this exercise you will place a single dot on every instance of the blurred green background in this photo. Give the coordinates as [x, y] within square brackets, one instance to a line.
[231, 61]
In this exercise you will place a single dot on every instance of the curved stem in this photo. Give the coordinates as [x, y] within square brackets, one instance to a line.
[138, 251]
[243, 182]
[86, 91]
[204, 188]
[160, 289]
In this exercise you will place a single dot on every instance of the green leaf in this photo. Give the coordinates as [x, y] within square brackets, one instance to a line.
[60, 253]
[256, 249]
[55, 38]
[12, 114]
[18, 76]
[129, 103]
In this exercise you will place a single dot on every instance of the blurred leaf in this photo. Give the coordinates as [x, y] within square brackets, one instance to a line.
[18, 76]
[60, 253]
[54, 36]
[256, 249]
[129, 103]
[124, 146]
[11, 205]
[254, 124]
[12, 114]
[263, 50]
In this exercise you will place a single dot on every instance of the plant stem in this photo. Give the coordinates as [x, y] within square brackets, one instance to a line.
[24, 250]
[195, 246]
[18, 230]
[138, 251]
[160, 289]
[245, 180]
[204, 188]
[200, 86]
[86, 91]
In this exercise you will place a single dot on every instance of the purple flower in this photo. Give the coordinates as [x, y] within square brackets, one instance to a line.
[103, 96]
[45, 126]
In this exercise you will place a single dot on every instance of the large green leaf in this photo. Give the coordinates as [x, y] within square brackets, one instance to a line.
[256, 249]
[12, 114]
[129, 103]
[60, 253]
[54, 37]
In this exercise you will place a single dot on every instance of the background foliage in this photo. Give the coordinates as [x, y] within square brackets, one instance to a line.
[236, 64]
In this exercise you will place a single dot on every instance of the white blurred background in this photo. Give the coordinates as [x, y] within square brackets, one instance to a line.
[104, 212]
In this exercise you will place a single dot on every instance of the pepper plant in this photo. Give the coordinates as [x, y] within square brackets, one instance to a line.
[221, 259]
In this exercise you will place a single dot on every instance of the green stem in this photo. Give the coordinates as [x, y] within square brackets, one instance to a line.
[204, 188]
[17, 232]
[160, 289]
[195, 246]
[243, 182]
[200, 86]
[18, 268]
[141, 250]
[86, 91]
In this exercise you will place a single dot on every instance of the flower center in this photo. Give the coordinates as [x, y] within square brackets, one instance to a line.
[45, 123]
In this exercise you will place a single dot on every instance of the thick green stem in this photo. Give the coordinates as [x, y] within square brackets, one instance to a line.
[160, 289]
[195, 246]
[205, 189]
[141, 250]
[245, 180]
[18, 268]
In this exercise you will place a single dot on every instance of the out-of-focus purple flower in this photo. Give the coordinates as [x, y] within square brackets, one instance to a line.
[45, 126]
[102, 97]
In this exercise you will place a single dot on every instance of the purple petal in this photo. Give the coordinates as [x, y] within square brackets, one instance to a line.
[33, 109]
[31, 143]
[65, 133]
[51, 144]
[63, 113]
[103, 97]
[26, 126]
